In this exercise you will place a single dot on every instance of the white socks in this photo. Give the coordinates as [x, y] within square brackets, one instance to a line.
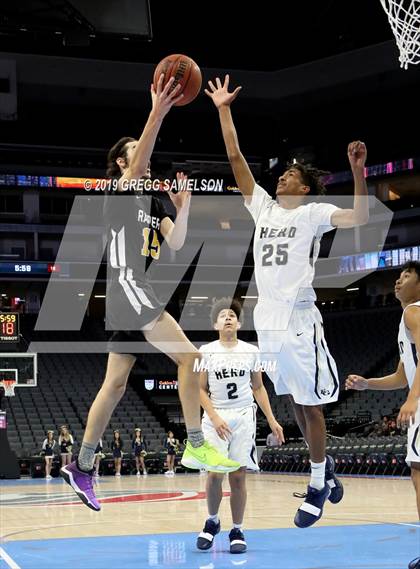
[318, 474]
[214, 518]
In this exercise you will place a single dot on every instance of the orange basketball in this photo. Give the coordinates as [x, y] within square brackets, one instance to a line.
[186, 73]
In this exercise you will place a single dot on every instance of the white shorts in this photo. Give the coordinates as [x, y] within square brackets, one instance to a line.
[413, 440]
[241, 444]
[296, 345]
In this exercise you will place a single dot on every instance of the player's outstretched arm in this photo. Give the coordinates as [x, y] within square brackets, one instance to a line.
[396, 380]
[359, 215]
[222, 99]
[175, 233]
[261, 397]
[162, 101]
[409, 409]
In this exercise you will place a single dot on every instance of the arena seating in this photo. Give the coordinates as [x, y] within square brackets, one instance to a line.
[67, 385]
[369, 456]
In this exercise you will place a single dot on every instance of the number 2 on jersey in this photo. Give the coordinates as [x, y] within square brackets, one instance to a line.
[150, 246]
[281, 255]
[232, 389]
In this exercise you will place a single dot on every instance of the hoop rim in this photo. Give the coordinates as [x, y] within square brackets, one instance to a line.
[9, 387]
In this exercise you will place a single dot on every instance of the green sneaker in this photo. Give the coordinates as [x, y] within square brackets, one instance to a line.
[207, 457]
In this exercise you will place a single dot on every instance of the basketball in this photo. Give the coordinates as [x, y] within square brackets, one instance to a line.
[186, 73]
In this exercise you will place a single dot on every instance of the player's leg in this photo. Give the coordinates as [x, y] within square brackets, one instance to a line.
[415, 477]
[118, 467]
[238, 496]
[79, 475]
[108, 397]
[214, 495]
[143, 466]
[167, 336]
[300, 416]
[137, 465]
[316, 437]
[47, 467]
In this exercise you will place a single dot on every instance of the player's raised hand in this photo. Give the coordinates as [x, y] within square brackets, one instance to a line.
[357, 382]
[163, 98]
[222, 428]
[357, 153]
[219, 93]
[277, 430]
[407, 414]
[182, 198]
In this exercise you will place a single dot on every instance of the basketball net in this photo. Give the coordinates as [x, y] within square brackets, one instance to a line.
[404, 19]
[9, 387]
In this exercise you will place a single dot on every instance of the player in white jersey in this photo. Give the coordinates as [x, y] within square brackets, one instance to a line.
[230, 381]
[289, 326]
[407, 290]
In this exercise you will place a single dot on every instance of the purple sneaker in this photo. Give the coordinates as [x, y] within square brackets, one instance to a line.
[81, 482]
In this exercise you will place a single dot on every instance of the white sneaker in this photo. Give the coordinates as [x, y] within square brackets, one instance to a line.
[168, 473]
[118, 474]
[144, 473]
[48, 477]
[138, 473]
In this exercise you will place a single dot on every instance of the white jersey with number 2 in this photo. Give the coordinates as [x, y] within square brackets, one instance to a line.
[229, 373]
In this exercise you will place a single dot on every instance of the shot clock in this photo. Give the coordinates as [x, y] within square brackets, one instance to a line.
[9, 327]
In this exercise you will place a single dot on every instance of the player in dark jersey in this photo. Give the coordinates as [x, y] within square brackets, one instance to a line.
[138, 224]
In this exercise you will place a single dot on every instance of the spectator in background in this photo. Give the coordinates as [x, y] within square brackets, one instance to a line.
[140, 451]
[171, 445]
[272, 440]
[117, 446]
[393, 430]
[48, 449]
[98, 456]
[385, 422]
[377, 431]
[65, 442]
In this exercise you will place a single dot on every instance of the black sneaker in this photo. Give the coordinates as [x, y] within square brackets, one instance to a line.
[237, 541]
[311, 509]
[336, 487]
[206, 537]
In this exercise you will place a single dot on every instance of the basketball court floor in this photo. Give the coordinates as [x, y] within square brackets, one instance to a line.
[154, 521]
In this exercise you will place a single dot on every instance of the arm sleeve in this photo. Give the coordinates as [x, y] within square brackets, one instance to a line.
[320, 217]
[59, 440]
[259, 201]
[44, 444]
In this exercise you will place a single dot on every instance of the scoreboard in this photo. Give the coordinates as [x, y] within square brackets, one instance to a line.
[9, 327]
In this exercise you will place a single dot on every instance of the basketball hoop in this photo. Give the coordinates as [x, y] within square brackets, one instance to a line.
[9, 387]
[404, 19]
